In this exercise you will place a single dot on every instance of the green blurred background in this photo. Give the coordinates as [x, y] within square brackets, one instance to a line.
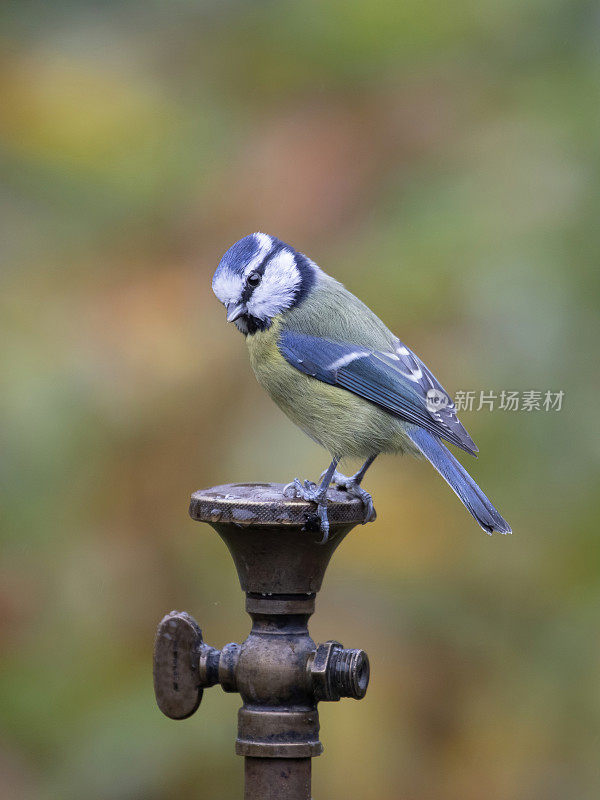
[441, 160]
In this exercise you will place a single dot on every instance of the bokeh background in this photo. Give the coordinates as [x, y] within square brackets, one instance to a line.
[440, 159]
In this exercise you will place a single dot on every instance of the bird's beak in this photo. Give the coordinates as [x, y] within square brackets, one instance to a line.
[234, 311]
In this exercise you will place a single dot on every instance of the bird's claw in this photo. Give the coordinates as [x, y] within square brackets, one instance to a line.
[309, 491]
[367, 501]
[354, 489]
[298, 488]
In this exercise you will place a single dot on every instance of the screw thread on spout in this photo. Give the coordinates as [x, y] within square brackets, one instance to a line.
[351, 673]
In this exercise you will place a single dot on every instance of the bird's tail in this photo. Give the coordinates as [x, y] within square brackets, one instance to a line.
[459, 480]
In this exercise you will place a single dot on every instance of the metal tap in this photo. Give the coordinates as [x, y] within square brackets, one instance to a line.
[279, 672]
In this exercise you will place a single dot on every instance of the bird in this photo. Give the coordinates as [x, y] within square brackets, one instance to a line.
[340, 375]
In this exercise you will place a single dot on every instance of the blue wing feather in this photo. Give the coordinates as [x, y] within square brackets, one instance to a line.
[395, 380]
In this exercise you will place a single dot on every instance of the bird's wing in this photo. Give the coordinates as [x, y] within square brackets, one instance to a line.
[395, 380]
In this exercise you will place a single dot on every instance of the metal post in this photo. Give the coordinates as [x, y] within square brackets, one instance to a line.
[279, 672]
[277, 779]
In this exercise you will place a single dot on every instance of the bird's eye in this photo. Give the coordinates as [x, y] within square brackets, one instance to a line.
[253, 279]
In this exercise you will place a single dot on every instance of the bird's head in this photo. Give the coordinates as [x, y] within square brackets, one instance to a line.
[260, 277]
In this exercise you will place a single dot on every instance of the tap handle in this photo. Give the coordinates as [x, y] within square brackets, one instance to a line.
[177, 648]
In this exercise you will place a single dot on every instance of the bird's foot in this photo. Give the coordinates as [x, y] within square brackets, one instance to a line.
[309, 491]
[298, 488]
[353, 487]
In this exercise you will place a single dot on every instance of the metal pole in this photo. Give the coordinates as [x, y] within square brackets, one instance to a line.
[277, 779]
[280, 673]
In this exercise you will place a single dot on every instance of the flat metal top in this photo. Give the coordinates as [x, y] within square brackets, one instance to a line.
[252, 504]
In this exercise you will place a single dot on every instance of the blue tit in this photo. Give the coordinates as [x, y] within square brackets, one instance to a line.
[337, 371]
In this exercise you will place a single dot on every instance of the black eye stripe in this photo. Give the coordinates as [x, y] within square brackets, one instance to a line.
[260, 271]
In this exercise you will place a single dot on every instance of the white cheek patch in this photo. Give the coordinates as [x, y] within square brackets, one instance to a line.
[227, 287]
[278, 287]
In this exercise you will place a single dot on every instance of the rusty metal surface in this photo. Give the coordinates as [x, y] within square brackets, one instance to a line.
[258, 504]
[176, 685]
[279, 671]
[278, 733]
[272, 540]
[277, 779]
[337, 672]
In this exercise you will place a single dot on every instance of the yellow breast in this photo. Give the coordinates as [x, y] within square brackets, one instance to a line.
[340, 421]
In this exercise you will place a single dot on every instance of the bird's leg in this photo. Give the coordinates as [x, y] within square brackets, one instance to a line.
[353, 487]
[315, 494]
